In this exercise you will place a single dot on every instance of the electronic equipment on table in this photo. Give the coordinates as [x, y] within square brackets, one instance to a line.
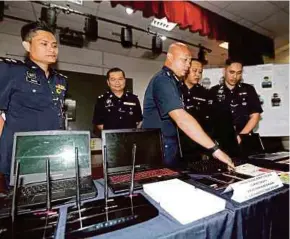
[39, 224]
[149, 158]
[109, 214]
[33, 148]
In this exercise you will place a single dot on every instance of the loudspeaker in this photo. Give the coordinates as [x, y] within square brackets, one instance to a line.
[91, 28]
[126, 37]
[156, 45]
[48, 15]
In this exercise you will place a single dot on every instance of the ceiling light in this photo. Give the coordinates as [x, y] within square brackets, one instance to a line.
[127, 37]
[91, 28]
[71, 38]
[129, 11]
[201, 56]
[156, 45]
[163, 38]
[163, 24]
[224, 45]
[1, 10]
[48, 15]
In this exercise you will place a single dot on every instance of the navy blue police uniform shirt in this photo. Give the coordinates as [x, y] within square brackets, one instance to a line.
[196, 102]
[162, 96]
[117, 113]
[241, 102]
[30, 100]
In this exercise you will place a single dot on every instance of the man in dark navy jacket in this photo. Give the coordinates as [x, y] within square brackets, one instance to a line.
[31, 93]
[239, 99]
[163, 107]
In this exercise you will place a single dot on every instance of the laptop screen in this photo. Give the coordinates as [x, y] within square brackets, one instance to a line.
[119, 145]
[32, 149]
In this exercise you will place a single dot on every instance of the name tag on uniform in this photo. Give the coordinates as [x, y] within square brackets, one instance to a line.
[129, 103]
[32, 78]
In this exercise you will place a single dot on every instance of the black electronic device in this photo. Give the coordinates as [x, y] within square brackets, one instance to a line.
[40, 224]
[109, 214]
[149, 165]
[212, 166]
[32, 149]
[210, 183]
[207, 167]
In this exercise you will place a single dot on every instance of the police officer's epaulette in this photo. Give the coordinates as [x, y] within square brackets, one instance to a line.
[130, 93]
[61, 75]
[11, 61]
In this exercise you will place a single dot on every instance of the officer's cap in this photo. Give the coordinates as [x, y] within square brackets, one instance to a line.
[33, 27]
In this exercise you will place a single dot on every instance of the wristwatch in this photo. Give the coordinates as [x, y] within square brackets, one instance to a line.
[214, 148]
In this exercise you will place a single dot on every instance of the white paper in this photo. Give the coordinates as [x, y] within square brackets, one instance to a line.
[183, 201]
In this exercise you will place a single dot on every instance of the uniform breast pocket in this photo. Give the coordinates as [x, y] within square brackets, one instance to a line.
[130, 110]
[32, 96]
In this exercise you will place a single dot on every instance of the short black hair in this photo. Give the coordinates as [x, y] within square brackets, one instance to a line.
[115, 69]
[28, 30]
[196, 59]
[231, 61]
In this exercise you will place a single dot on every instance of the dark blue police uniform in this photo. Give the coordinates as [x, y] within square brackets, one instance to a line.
[117, 113]
[241, 102]
[31, 102]
[162, 96]
[196, 103]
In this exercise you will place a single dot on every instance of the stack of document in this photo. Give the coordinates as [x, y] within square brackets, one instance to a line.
[183, 201]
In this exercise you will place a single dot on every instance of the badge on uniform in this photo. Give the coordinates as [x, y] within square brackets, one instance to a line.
[32, 78]
[109, 103]
[59, 88]
[129, 103]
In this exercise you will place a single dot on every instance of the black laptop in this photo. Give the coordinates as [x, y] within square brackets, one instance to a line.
[32, 149]
[148, 160]
[253, 147]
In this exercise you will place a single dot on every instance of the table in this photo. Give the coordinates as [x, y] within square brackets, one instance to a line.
[263, 217]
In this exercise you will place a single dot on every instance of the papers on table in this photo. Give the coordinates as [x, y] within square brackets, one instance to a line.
[183, 201]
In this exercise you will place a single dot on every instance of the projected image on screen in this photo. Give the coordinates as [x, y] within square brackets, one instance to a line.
[120, 144]
[33, 150]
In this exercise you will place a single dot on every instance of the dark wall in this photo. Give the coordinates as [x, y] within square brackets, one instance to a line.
[85, 88]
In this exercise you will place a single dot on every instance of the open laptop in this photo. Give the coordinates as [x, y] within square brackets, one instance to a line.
[32, 149]
[253, 147]
[148, 161]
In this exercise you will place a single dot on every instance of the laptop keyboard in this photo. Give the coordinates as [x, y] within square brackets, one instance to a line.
[55, 186]
[154, 173]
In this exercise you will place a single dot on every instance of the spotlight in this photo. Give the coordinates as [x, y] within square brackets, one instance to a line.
[129, 11]
[126, 37]
[48, 15]
[71, 38]
[91, 28]
[1, 10]
[201, 56]
[156, 45]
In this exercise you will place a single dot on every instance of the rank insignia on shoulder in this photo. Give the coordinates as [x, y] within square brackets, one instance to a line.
[11, 61]
[61, 75]
[100, 96]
